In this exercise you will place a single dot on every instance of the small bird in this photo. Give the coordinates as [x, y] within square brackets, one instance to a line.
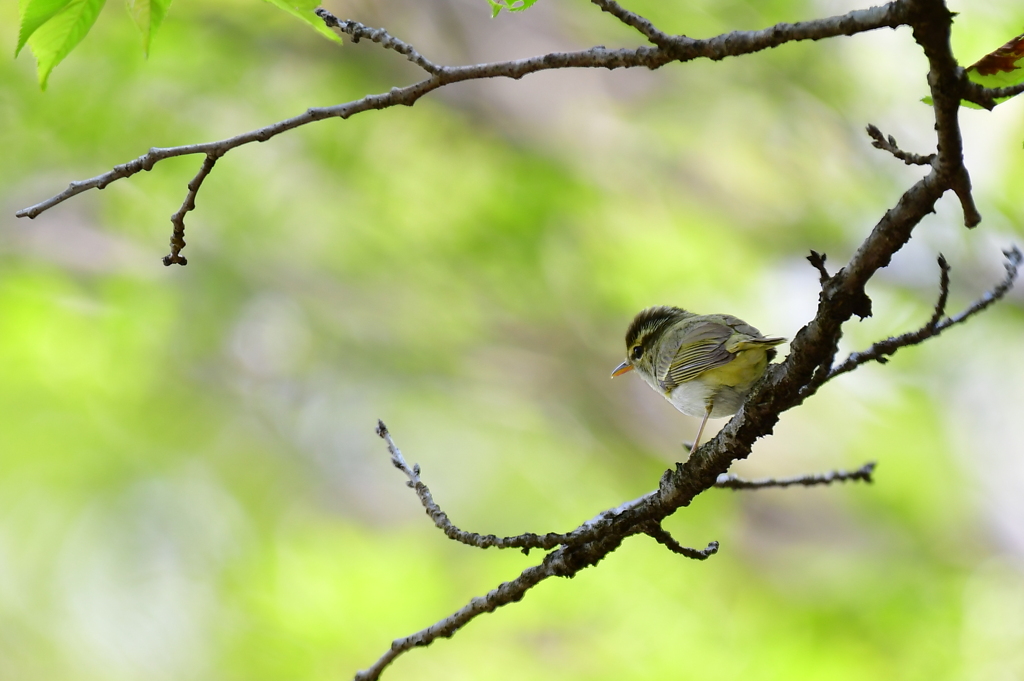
[705, 365]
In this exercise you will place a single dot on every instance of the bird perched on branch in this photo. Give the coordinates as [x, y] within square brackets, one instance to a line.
[705, 365]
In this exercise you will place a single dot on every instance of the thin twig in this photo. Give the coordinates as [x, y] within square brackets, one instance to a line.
[889, 144]
[988, 97]
[817, 261]
[359, 31]
[863, 473]
[659, 38]
[178, 219]
[940, 305]
[525, 542]
[662, 536]
[882, 349]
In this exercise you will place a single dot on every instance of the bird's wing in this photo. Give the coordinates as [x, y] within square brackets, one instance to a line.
[745, 336]
[698, 348]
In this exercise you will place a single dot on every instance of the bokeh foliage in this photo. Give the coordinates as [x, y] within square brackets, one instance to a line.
[52, 29]
[190, 487]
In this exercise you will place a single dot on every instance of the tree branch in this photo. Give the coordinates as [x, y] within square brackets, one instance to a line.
[784, 385]
[931, 22]
[526, 542]
[863, 473]
[359, 31]
[812, 350]
[178, 219]
[678, 49]
[988, 97]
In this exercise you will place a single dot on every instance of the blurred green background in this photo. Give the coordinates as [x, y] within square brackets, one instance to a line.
[190, 485]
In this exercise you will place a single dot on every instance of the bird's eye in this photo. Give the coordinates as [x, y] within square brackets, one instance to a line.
[637, 352]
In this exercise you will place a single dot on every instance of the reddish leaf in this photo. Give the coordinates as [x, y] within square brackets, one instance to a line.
[1005, 59]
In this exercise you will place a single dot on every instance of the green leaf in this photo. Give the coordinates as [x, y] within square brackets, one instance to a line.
[148, 15]
[303, 9]
[963, 102]
[54, 39]
[510, 5]
[35, 13]
[1002, 68]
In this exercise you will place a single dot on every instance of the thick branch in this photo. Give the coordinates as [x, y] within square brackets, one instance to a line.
[813, 346]
[812, 350]
[931, 21]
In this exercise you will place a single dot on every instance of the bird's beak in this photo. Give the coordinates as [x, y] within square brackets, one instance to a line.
[621, 369]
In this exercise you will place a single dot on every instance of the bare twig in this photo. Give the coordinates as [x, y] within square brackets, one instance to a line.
[817, 261]
[662, 536]
[936, 325]
[359, 31]
[1014, 258]
[525, 542]
[889, 144]
[178, 219]
[989, 97]
[659, 38]
[940, 304]
[863, 473]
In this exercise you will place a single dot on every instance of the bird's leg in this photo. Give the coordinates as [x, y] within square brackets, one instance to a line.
[696, 440]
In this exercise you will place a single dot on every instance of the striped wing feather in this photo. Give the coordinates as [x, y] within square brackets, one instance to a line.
[698, 348]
